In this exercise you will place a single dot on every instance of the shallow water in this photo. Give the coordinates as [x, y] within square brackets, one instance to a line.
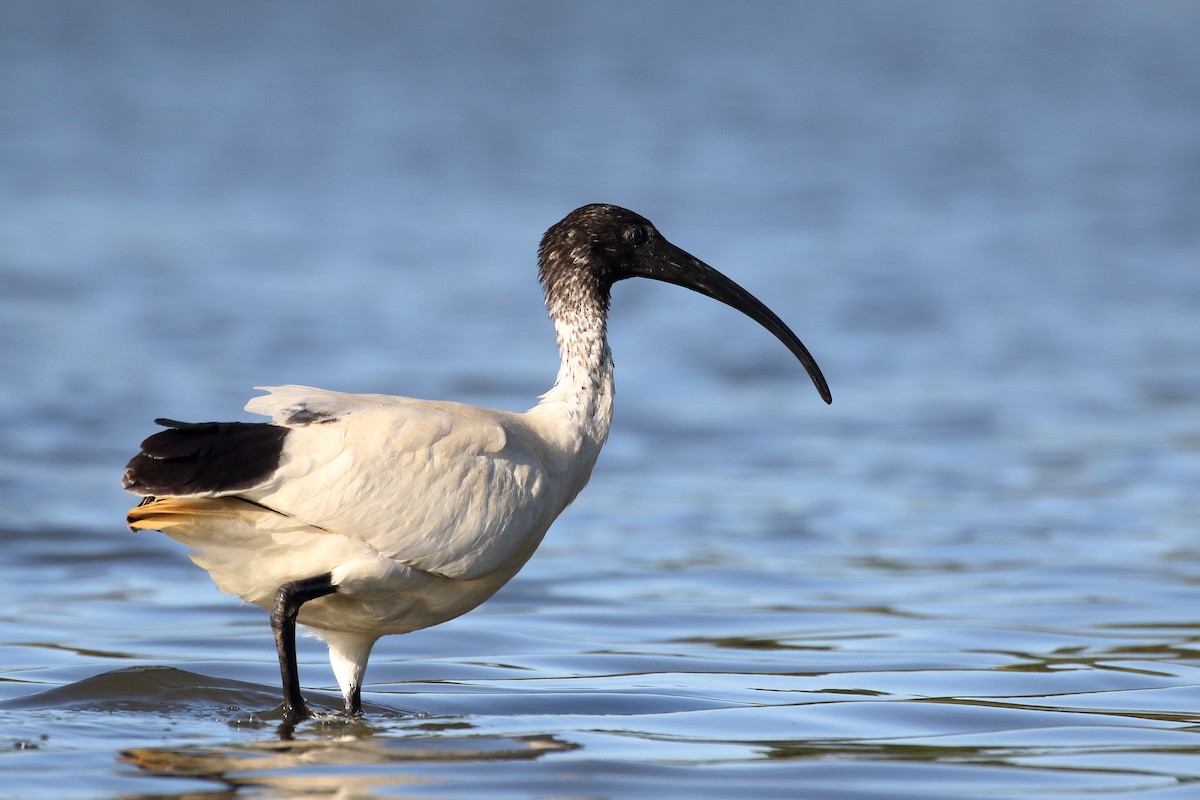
[975, 575]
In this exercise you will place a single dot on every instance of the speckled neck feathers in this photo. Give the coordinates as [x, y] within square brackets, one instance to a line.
[575, 278]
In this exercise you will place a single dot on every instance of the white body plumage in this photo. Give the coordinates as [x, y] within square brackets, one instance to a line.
[420, 510]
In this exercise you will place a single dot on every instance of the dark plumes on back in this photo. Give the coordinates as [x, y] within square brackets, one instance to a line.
[196, 458]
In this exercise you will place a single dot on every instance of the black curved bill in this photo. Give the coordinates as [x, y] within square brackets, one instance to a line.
[673, 265]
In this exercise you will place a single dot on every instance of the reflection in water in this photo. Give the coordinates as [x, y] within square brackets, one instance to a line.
[332, 761]
[330, 753]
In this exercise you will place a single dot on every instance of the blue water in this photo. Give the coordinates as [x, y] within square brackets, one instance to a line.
[975, 575]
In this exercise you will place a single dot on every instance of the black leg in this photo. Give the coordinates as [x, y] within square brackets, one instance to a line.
[288, 600]
[354, 704]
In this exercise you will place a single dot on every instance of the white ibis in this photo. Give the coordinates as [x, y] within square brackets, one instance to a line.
[361, 515]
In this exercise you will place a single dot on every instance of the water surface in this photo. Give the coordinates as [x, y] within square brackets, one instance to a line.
[975, 575]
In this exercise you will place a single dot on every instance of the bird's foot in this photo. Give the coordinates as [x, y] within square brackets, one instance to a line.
[294, 713]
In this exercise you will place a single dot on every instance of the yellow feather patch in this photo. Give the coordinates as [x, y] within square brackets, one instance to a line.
[159, 514]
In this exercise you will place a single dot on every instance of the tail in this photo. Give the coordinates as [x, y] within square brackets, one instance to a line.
[169, 513]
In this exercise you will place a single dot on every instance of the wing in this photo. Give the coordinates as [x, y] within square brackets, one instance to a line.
[205, 458]
[446, 488]
[298, 406]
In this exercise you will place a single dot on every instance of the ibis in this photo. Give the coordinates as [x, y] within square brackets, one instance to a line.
[361, 515]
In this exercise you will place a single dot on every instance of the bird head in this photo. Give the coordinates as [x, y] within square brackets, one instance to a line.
[593, 247]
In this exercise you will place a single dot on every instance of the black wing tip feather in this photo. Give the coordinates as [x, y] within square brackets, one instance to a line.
[205, 458]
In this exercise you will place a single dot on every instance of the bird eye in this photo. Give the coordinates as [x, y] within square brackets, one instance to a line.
[636, 234]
